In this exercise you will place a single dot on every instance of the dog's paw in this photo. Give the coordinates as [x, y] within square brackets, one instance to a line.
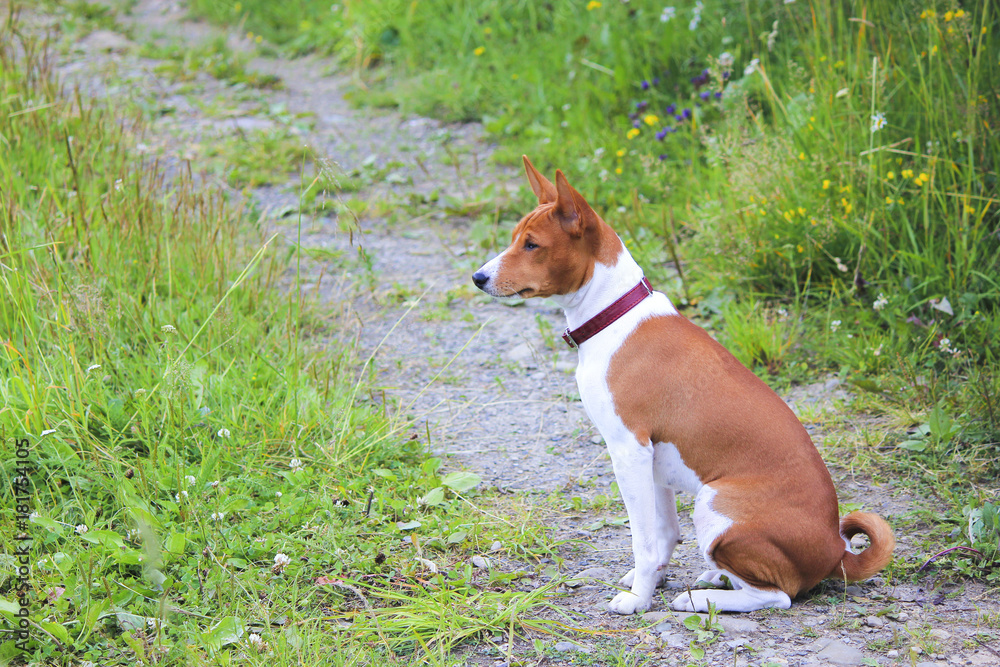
[627, 580]
[628, 602]
[690, 601]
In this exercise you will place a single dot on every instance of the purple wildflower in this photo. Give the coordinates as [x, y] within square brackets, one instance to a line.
[718, 95]
[645, 84]
[671, 109]
[641, 105]
[679, 118]
[706, 94]
[686, 113]
[661, 134]
[725, 75]
[637, 125]
[656, 80]
[663, 156]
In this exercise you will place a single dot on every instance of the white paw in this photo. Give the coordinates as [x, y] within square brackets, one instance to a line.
[628, 602]
[690, 601]
[627, 580]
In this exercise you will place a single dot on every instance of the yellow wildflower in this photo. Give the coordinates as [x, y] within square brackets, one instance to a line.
[846, 188]
[487, 30]
[969, 210]
[960, 13]
[651, 119]
[515, 76]
[890, 176]
[826, 185]
[618, 170]
[889, 200]
[934, 49]
[923, 177]
[238, 6]
[633, 133]
[800, 248]
[787, 215]
[802, 211]
[802, 156]
[480, 50]
[949, 16]
[258, 39]
[592, 5]
[621, 152]
[907, 173]
[761, 211]
[848, 207]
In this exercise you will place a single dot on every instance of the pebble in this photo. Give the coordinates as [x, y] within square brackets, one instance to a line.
[570, 646]
[939, 634]
[596, 439]
[480, 562]
[496, 546]
[839, 653]
[892, 654]
[874, 622]
[854, 591]
[674, 640]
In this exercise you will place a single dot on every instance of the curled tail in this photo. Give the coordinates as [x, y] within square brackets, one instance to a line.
[856, 567]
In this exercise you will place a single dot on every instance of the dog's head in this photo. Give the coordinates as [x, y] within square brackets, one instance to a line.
[554, 248]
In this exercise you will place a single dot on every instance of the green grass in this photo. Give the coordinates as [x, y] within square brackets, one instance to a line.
[187, 422]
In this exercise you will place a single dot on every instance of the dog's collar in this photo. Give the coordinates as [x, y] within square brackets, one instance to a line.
[606, 317]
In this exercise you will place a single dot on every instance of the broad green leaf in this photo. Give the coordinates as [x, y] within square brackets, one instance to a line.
[460, 482]
[225, 632]
[434, 497]
[408, 525]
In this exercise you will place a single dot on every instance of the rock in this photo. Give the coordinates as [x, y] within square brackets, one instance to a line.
[656, 616]
[892, 654]
[839, 653]
[522, 354]
[674, 640]
[926, 663]
[570, 646]
[939, 634]
[496, 546]
[480, 562]
[596, 439]
[874, 622]
[819, 644]
[565, 366]
[732, 625]
[854, 591]
[591, 573]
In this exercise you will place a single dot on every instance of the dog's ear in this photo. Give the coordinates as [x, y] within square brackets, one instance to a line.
[541, 186]
[570, 206]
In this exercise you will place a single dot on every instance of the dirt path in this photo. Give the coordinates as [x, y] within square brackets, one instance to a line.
[494, 389]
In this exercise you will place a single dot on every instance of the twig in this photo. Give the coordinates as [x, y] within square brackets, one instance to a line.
[947, 551]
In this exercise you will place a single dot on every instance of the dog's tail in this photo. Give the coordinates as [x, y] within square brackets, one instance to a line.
[856, 567]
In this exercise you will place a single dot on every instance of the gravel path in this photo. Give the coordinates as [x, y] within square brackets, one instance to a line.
[487, 380]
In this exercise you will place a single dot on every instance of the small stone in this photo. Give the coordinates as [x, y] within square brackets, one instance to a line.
[565, 366]
[496, 546]
[736, 625]
[839, 653]
[854, 591]
[596, 440]
[939, 634]
[570, 646]
[480, 562]
[674, 640]
[892, 654]
[591, 573]
[874, 622]
[902, 617]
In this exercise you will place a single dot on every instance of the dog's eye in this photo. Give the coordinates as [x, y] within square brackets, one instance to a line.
[528, 245]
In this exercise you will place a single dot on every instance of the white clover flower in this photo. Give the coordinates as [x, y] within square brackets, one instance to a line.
[277, 494]
[82, 528]
[668, 14]
[877, 351]
[881, 302]
[256, 642]
[840, 265]
[223, 433]
[945, 346]
[133, 535]
[190, 480]
[93, 367]
[726, 59]
[752, 67]
[281, 561]
[598, 152]
[182, 494]
[878, 121]
[296, 465]
[139, 392]
[834, 325]
[218, 516]
[214, 484]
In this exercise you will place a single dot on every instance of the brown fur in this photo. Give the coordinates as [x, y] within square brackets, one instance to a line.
[672, 382]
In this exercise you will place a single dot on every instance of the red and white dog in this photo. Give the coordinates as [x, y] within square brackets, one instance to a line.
[680, 413]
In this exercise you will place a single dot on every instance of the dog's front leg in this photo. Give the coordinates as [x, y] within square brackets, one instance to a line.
[633, 465]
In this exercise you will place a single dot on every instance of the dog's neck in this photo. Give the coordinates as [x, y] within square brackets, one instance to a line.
[606, 286]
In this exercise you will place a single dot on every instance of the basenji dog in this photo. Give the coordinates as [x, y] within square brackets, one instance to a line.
[679, 413]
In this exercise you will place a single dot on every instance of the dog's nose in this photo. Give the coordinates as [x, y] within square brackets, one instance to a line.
[480, 279]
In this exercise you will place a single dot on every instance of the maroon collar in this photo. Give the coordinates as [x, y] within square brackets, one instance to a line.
[606, 317]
